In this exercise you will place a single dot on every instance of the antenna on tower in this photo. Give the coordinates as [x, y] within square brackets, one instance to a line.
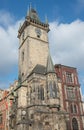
[46, 19]
[28, 11]
[30, 6]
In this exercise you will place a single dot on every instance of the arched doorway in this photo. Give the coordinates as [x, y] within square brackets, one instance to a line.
[74, 124]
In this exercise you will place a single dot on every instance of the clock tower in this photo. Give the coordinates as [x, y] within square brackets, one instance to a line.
[38, 95]
[33, 44]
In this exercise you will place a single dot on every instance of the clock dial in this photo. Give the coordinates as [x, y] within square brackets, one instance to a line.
[23, 112]
[38, 32]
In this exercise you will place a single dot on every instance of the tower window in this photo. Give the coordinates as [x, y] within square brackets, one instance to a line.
[23, 56]
[22, 74]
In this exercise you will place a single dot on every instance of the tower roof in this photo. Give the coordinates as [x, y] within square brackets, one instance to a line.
[33, 14]
[50, 66]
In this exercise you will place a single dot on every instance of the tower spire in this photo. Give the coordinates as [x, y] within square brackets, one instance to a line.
[28, 11]
[50, 66]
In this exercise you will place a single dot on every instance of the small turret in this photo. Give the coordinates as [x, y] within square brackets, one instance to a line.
[50, 66]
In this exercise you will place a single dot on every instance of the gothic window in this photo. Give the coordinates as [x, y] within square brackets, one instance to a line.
[41, 93]
[0, 118]
[53, 89]
[71, 93]
[75, 124]
[69, 78]
[50, 89]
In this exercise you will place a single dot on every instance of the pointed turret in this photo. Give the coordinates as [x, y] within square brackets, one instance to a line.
[46, 20]
[50, 66]
[33, 14]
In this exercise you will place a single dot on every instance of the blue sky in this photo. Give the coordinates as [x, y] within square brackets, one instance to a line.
[66, 38]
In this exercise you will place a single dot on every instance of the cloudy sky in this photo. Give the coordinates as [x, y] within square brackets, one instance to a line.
[66, 19]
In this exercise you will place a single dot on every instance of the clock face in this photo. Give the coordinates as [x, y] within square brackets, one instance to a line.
[38, 31]
[23, 112]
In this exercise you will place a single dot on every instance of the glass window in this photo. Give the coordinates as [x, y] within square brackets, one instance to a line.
[73, 108]
[69, 78]
[71, 93]
[41, 93]
[53, 89]
[75, 124]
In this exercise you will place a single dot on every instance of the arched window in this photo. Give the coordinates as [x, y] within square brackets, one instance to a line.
[53, 89]
[50, 89]
[74, 124]
[41, 93]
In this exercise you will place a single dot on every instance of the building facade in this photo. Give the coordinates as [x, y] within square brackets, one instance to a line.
[46, 97]
[72, 98]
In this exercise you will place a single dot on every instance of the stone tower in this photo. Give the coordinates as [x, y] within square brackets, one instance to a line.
[33, 43]
[37, 104]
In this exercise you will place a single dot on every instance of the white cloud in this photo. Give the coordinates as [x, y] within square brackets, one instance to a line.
[67, 43]
[67, 46]
[5, 18]
[8, 42]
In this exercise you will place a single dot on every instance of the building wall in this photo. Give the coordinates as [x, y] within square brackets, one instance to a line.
[72, 101]
[3, 110]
